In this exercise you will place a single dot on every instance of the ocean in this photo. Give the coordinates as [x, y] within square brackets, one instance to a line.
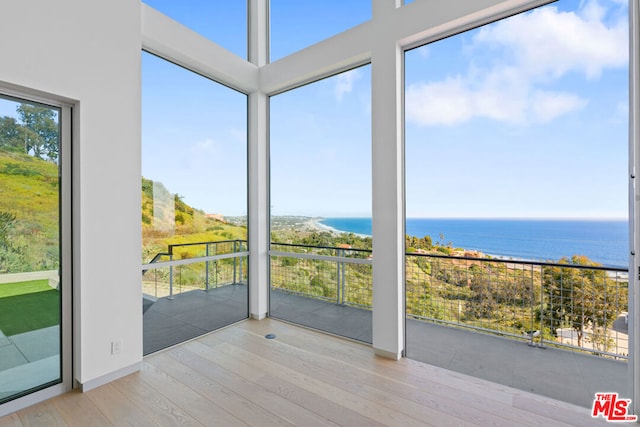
[603, 241]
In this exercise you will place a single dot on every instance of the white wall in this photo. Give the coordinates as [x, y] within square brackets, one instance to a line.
[89, 52]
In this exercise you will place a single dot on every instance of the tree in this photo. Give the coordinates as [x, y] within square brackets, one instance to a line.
[412, 242]
[576, 297]
[482, 304]
[10, 135]
[40, 134]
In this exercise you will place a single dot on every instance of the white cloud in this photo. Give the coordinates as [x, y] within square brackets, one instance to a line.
[529, 53]
[547, 43]
[448, 102]
[454, 101]
[207, 145]
[546, 106]
[344, 83]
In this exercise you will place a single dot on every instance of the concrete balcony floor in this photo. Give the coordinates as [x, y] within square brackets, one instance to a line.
[570, 376]
[191, 314]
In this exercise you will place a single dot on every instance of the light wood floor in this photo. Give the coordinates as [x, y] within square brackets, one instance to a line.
[237, 377]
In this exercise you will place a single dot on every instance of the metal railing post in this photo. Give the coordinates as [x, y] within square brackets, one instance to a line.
[170, 279]
[532, 298]
[344, 273]
[338, 278]
[206, 268]
[234, 262]
[542, 308]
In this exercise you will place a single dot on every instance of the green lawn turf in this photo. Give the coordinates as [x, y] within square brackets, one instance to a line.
[28, 306]
[21, 288]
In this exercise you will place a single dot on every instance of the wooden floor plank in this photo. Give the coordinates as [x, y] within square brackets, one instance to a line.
[44, 414]
[202, 409]
[384, 390]
[232, 402]
[362, 356]
[317, 404]
[358, 404]
[251, 391]
[164, 411]
[11, 420]
[236, 377]
[118, 409]
[76, 409]
[414, 401]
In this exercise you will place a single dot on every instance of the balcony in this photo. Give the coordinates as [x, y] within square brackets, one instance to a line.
[557, 329]
[506, 321]
[192, 289]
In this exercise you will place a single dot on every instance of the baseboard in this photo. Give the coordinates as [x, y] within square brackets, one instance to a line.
[112, 376]
[387, 354]
[258, 316]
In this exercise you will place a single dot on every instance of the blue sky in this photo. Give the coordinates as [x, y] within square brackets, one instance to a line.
[321, 150]
[526, 117]
[194, 137]
[8, 108]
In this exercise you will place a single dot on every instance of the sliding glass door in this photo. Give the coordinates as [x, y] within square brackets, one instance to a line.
[31, 251]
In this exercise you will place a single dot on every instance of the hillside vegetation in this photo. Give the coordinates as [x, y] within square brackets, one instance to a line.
[168, 220]
[29, 206]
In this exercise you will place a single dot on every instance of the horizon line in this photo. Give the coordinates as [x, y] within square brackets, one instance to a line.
[550, 218]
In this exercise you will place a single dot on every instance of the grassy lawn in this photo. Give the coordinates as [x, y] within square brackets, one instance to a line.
[27, 306]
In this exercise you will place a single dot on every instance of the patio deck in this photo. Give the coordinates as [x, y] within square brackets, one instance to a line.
[191, 314]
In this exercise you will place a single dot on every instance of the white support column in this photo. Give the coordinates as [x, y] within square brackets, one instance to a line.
[258, 218]
[388, 187]
[634, 205]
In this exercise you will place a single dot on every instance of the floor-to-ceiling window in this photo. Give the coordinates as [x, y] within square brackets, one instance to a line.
[194, 204]
[320, 154]
[516, 198]
[34, 275]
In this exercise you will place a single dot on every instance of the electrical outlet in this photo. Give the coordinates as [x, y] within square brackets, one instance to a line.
[116, 347]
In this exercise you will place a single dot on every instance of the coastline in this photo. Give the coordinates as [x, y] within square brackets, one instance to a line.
[535, 240]
[319, 226]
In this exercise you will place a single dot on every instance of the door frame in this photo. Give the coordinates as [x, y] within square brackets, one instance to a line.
[65, 107]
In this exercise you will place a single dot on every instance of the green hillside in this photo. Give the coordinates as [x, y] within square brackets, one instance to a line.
[176, 222]
[29, 216]
[28, 213]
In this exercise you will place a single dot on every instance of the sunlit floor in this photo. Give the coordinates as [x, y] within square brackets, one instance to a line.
[566, 375]
[235, 376]
[561, 374]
